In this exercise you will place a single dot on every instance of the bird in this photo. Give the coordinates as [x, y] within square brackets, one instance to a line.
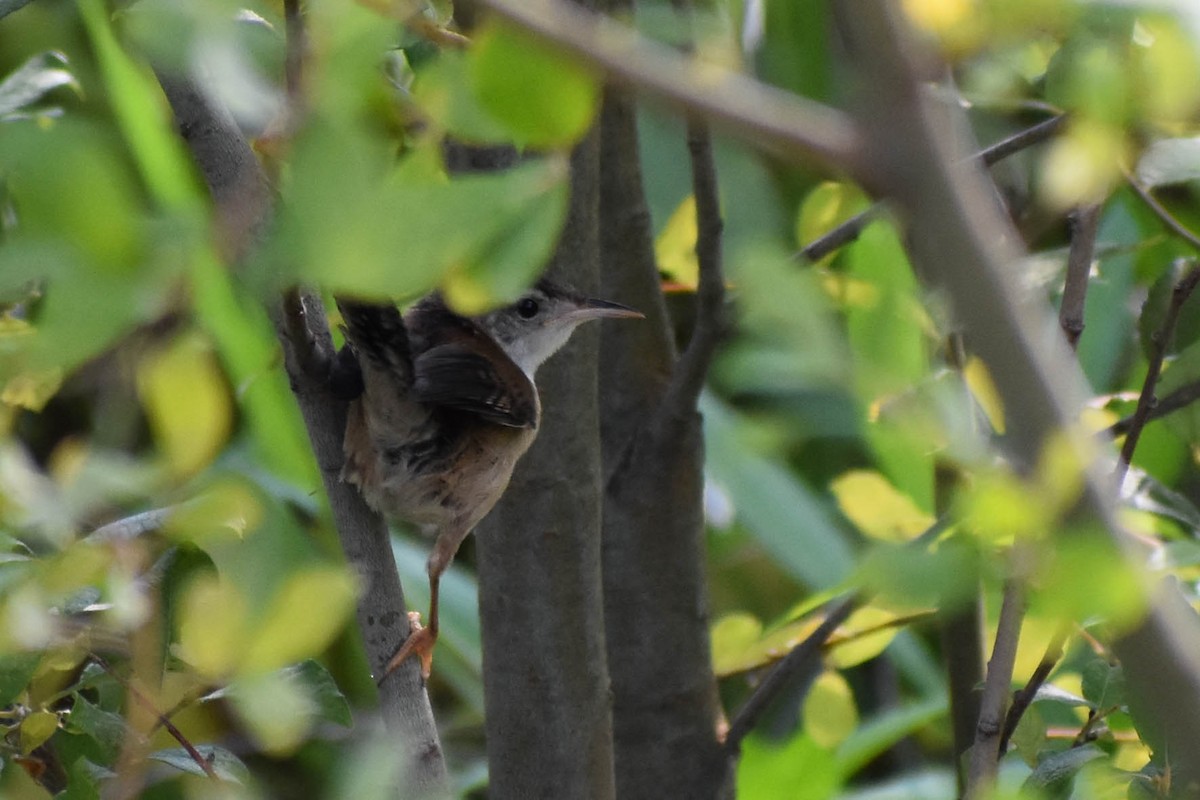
[442, 406]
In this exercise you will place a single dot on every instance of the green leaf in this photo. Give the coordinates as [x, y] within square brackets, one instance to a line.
[277, 708]
[800, 769]
[323, 690]
[104, 727]
[36, 729]
[1103, 684]
[544, 98]
[880, 733]
[16, 670]
[1030, 736]
[1055, 774]
[225, 764]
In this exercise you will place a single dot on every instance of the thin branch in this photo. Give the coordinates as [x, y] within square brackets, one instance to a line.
[1024, 697]
[160, 718]
[851, 229]
[769, 118]
[803, 658]
[985, 753]
[1179, 399]
[1160, 342]
[1085, 222]
[134, 526]
[1168, 219]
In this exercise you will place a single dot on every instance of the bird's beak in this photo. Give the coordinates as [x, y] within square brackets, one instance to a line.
[598, 309]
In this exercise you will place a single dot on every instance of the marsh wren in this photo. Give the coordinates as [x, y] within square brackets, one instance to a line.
[445, 407]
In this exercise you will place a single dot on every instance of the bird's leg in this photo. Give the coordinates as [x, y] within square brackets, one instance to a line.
[421, 639]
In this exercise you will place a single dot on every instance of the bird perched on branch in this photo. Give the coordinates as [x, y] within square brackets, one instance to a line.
[444, 407]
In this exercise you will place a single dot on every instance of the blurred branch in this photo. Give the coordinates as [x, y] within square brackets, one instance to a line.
[769, 118]
[960, 238]
[9, 6]
[1179, 399]
[161, 719]
[1023, 698]
[851, 229]
[985, 753]
[1085, 222]
[1162, 213]
[1160, 342]
[803, 659]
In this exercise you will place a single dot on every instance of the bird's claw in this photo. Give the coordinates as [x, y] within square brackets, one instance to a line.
[420, 642]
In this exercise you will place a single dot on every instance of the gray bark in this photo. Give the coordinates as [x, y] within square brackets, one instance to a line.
[549, 725]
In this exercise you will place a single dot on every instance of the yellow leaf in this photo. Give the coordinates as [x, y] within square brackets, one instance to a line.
[877, 508]
[983, 388]
[675, 249]
[866, 634]
[1000, 507]
[303, 618]
[212, 626]
[830, 714]
[732, 636]
[276, 708]
[32, 390]
[827, 206]
[187, 402]
[36, 729]
[939, 16]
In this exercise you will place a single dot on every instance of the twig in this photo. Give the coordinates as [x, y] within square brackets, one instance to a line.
[985, 753]
[1162, 213]
[800, 660]
[1025, 696]
[161, 720]
[1085, 222]
[850, 230]
[768, 118]
[1160, 341]
[1181, 398]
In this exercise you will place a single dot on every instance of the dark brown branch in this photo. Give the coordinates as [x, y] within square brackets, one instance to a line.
[1085, 222]
[1025, 696]
[985, 754]
[1160, 342]
[803, 659]
[1179, 399]
[160, 718]
[1168, 219]
[848, 231]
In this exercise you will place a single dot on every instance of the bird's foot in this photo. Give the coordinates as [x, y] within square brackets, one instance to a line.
[420, 642]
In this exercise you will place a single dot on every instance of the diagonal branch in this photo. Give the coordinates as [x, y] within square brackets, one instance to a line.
[1179, 399]
[1160, 211]
[769, 118]
[851, 229]
[803, 659]
[1161, 342]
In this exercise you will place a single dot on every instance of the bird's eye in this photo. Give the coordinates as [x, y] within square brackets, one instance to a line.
[527, 308]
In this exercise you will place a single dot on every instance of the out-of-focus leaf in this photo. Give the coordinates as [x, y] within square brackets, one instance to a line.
[213, 629]
[827, 206]
[371, 772]
[878, 734]
[16, 670]
[38, 75]
[227, 766]
[1169, 161]
[733, 637]
[890, 346]
[877, 508]
[187, 403]
[1055, 694]
[1029, 738]
[799, 769]
[36, 729]
[830, 713]
[545, 99]
[442, 90]
[983, 389]
[9, 6]
[306, 613]
[1069, 572]
[784, 515]
[103, 727]
[278, 709]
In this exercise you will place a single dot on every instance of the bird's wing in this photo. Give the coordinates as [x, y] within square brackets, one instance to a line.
[476, 376]
[378, 337]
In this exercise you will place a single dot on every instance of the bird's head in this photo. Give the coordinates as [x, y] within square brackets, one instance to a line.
[541, 321]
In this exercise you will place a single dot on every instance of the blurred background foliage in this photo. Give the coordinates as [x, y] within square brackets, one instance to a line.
[164, 542]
